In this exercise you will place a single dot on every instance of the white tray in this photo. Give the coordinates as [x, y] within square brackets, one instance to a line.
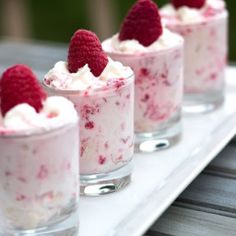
[159, 178]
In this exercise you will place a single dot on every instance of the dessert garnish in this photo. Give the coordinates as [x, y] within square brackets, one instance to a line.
[143, 23]
[85, 48]
[188, 3]
[20, 85]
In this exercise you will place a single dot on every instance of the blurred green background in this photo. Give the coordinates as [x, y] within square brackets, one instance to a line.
[57, 20]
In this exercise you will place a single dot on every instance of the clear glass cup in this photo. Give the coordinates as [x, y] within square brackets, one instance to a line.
[106, 135]
[206, 47]
[39, 179]
[158, 95]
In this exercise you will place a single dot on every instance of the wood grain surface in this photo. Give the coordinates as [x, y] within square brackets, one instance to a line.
[208, 206]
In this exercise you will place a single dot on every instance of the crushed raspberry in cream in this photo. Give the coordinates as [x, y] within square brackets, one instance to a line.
[205, 33]
[105, 105]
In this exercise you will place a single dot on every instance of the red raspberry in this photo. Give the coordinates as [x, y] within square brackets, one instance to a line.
[188, 3]
[85, 48]
[0, 89]
[19, 85]
[142, 23]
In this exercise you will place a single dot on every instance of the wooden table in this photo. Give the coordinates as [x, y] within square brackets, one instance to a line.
[40, 56]
[208, 205]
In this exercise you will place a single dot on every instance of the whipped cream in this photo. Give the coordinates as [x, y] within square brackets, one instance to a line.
[56, 112]
[166, 40]
[187, 15]
[59, 76]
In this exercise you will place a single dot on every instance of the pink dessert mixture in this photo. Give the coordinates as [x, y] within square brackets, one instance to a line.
[158, 91]
[158, 87]
[205, 48]
[30, 183]
[39, 153]
[155, 55]
[106, 130]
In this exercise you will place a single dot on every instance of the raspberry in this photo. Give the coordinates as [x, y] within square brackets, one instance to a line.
[85, 48]
[19, 85]
[188, 3]
[142, 23]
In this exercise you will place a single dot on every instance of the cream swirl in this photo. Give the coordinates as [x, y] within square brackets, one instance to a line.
[165, 41]
[57, 112]
[59, 77]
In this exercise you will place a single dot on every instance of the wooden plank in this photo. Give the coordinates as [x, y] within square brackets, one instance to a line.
[225, 163]
[179, 221]
[155, 233]
[212, 192]
[40, 57]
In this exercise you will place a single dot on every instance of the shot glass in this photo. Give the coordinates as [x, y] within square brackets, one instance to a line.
[39, 179]
[205, 61]
[158, 95]
[106, 134]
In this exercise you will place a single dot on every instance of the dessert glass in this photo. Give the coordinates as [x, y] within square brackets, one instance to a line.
[106, 134]
[158, 95]
[39, 179]
[205, 61]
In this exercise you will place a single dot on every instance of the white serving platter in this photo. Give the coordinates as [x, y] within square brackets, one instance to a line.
[160, 177]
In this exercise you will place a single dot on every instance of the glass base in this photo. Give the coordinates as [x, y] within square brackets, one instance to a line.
[157, 141]
[101, 184]
[69, 227]
[202, 103]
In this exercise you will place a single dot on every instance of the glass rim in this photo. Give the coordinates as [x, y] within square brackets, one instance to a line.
[128, 80]
[223, 15]
[144, 54]
[37, 132]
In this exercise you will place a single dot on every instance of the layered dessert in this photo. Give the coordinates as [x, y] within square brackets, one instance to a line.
[102, 92]
[156, 56]
[39, 156]
[203, 24]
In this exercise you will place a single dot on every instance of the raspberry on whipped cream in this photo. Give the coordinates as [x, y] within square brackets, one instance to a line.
[56, 112]
[39, 157]
[142, 23]
[85, 48]
[59, 76]
[185, 14]
[147, 13]
[205, 33]
[102, 92]
[25, 106]
[158, 71]
[19, 85]
[165, 41]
